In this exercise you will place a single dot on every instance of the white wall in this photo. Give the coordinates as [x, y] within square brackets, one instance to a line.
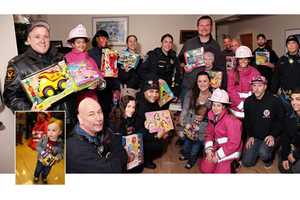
[148, 28]
[7, 136]
[272, 26]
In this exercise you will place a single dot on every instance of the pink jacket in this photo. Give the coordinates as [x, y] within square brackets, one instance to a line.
[76, 57]
[238, 93]
[224, 136]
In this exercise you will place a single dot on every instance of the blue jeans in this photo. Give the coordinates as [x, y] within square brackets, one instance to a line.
[191, 149]
[41, 169]
[258, 149]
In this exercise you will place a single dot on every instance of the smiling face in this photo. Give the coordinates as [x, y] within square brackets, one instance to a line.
[39, 39]
[130, 108]
[227, 43]
[217, 108]
[295, 101]
[167, 44]
[90, 116]
[102, 41]
[79, 44]
[151, 95]
[243, 62]
[204, 27]
[259, 89]
[132, 44]
[261, 42]
[53, 131]
[292, 47]
[203, 83]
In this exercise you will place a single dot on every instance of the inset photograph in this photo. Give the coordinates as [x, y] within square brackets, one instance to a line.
[40, 141]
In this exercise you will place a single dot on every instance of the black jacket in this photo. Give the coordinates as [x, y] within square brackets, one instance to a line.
[212, 46]
[130, 78]
[263, 117]
[157, 65]
[264, 70]
[18, 68]
[82, 155]
[287, 73]
[291, 136]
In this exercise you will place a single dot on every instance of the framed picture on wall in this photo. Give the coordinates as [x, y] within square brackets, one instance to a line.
[116, 27]
[187, 34]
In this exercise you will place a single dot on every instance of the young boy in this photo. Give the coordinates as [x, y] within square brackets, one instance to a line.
[194, 136]
[50, 150]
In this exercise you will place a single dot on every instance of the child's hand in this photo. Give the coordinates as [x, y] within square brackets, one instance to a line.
[209, 155]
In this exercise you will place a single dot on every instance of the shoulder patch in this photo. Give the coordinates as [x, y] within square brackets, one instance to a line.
[11, 73]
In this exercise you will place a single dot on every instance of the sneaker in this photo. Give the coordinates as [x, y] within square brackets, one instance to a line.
[182, 158]
[36, 179]
[188, 166]
[45, 181]
[150, 165]
[268, 165]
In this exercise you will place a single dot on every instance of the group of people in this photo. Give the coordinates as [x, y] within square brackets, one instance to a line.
[253, 113]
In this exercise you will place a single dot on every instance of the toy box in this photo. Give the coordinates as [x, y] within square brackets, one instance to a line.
[83, 74]
[133, 145]
[230, 62]
[194, 58]
[165, 93]
[159, 122]
[47, 159]
[215, 78]
[261, 57]
[128, 60]
[109, 63]
[53, 83]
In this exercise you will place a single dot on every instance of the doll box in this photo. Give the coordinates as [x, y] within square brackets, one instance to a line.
[109, 63]
[159, 122]
[262, 57]
[128, 60]
[165, 93]
[215, 78]
[194, 58]
[133, 145]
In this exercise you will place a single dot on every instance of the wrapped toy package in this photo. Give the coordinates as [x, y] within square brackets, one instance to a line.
[262, 57]
[165, 93]
[128, 60]
[159, 122]
[47, 159]
[109, 63]
[215, 78]
[133, 145]
[231, 62]
[194, 58]
[53, 83]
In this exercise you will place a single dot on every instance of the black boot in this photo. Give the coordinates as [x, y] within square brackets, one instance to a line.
[150, 165]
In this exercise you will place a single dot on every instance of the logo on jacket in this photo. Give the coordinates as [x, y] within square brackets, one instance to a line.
[11, 73]
[266, 113]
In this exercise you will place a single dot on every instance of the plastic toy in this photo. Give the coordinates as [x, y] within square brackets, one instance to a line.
[159, 122]
[109, 63]
[128, 60]
[262, 57]
[215, 78]
[133, 145]
[194, 58]
[165, 93]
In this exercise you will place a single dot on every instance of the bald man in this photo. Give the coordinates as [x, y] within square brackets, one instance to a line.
[91, 148]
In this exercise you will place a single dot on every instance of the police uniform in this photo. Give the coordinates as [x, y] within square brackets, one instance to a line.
[18, 68]
[158, 65]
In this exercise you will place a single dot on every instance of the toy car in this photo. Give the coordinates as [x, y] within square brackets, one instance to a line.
[50, 82]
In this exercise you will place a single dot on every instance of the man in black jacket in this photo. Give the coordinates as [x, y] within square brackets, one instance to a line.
[205, 40]
[263, 118]
[265, 69]
[286, 76]
[91, 148]
[290, 140]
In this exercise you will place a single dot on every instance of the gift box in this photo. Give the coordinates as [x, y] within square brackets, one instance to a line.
[215, 78]
[109, 63]
[133, 145]
[53, 83]
[230, 62]
[194, 58]
[128, 60]
[165, 93]
[262, 57]
[159, 122]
